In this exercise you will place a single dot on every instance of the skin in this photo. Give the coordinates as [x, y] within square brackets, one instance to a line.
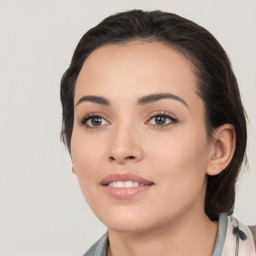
[177, 157]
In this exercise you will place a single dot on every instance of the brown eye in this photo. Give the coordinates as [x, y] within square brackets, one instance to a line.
[93, 121]
[162, 120]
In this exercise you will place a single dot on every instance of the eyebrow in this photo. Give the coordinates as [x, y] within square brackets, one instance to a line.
[94, 99]
[160, 96]
[141, 101]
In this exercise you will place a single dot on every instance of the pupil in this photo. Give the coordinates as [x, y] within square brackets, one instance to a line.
[160, 120]
[96, 121]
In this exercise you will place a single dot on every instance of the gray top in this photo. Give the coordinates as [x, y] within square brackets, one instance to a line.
[253, 230]
[101, 246]
[222, 230]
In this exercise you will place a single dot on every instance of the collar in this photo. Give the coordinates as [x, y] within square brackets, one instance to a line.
[233, 239]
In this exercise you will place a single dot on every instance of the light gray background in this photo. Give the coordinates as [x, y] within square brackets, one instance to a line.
[42, 211]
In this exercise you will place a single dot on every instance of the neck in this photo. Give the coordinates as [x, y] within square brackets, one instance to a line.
[187, 236]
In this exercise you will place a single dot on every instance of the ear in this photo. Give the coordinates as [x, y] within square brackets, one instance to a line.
[223, 148]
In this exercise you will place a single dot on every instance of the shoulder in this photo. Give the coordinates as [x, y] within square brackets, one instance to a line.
[234, 237]
[99, 248]
[241, 235]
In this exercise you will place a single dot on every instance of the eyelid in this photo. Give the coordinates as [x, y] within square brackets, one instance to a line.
[90, 115]
[167, 114]
[161, 112]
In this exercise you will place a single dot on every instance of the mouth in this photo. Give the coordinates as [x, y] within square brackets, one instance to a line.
[125, 185]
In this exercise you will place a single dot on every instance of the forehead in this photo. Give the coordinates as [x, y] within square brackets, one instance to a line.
[136, 67]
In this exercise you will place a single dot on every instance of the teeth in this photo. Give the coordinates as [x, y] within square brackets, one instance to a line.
[136, 184]
[128, 184]
[125, 184]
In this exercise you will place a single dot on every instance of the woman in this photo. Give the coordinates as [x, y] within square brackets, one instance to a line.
[156, 130]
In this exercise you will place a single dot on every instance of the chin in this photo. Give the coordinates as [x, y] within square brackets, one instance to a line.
[129, 221]
[125, 227]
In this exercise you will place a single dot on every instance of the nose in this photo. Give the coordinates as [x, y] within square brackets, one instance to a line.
[125, 146]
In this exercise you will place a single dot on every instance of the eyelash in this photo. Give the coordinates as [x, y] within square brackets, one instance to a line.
[89, 117]
[162, 114]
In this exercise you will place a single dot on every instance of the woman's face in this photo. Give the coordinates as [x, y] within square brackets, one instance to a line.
[139, 144]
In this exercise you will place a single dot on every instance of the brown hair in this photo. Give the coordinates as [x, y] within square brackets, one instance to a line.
[217, 84]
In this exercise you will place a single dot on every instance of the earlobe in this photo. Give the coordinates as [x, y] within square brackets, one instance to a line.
[73, 170]
[223, 148]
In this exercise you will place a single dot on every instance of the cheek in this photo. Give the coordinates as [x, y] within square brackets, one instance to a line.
[184, 148]
[180, 162]
[86, 150]
[86, 158]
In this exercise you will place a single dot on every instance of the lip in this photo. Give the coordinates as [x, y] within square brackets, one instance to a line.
[125, 177]
[125, 193]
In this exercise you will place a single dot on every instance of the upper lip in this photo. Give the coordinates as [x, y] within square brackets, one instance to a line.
[125, 177]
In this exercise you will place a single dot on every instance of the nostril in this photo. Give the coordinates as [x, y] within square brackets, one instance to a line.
[130, 157]
[112, 158]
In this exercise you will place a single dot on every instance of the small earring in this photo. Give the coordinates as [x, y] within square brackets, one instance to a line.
[73, 169]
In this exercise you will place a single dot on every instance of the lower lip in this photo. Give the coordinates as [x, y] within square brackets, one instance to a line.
[125, 193]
